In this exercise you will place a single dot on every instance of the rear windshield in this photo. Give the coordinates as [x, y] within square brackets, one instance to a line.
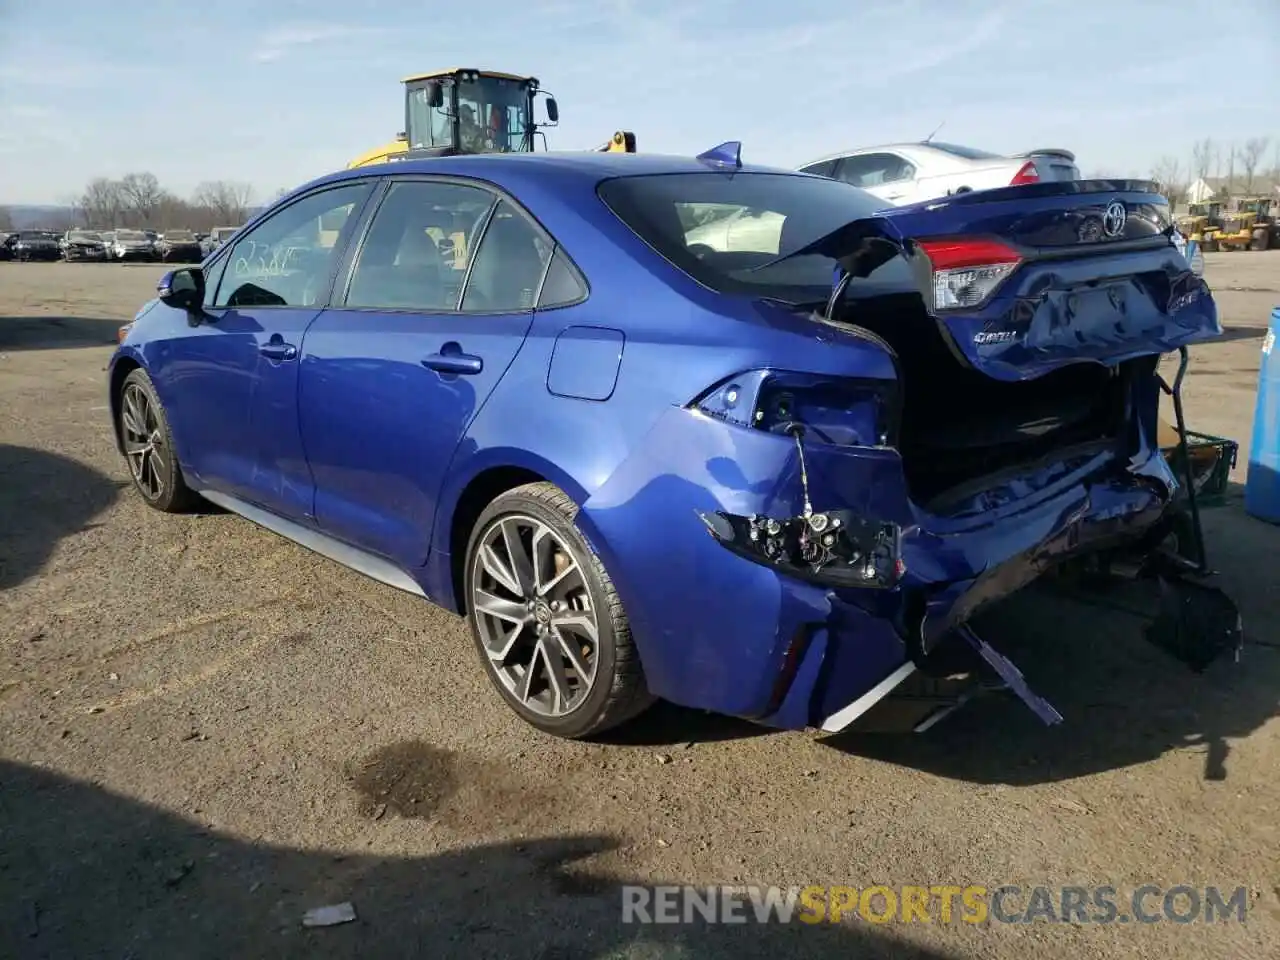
[967, 153]
[130, 235]
[178, 235]
[717, 228]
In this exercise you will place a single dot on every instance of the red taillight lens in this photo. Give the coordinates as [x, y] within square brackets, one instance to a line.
[1028, 174]
[967, 272]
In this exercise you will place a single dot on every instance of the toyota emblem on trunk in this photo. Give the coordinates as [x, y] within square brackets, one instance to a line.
[1113, 219]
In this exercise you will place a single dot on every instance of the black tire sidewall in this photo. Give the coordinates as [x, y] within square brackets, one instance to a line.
[586, 717]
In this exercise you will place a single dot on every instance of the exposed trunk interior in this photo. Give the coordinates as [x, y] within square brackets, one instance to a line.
[959, 425]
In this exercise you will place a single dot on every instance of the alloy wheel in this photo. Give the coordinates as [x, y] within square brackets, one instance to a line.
[144, 442]
[534, 614]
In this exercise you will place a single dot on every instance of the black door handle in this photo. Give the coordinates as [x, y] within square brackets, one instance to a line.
[451, 359]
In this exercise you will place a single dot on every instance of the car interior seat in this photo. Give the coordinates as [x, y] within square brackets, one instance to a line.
[508, 267]
[400, 266]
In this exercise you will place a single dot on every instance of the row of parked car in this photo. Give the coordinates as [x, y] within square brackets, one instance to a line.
[171, 246]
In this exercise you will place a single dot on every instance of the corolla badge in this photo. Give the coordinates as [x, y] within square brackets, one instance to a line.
[1113, 219]
[993, 336]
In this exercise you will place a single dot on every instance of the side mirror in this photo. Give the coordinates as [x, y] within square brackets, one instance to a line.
[435, 94]
[553, 110]
[183, 289]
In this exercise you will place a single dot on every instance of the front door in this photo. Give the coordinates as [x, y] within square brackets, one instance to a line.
[237, 370]
[394, 372]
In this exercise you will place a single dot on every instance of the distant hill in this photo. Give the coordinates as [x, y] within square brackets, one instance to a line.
[28, 217]
[55, 217]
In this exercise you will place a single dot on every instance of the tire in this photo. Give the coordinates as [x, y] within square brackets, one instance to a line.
[162, 487]
[615, 690]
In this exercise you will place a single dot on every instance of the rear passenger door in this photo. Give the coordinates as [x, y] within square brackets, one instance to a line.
[438, 299]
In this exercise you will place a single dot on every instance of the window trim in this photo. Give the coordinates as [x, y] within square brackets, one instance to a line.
[351, 258]
[270, 213]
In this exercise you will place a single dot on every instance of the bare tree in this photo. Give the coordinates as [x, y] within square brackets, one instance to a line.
[142, 194]
[1201, 158]
[6, 221]
[102, 203]
[1250, 157]
[1167, 172]
[227, 200]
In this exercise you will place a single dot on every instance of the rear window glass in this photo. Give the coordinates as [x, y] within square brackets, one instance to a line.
[720, 228]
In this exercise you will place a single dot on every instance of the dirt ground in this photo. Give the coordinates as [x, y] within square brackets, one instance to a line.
[206, 731]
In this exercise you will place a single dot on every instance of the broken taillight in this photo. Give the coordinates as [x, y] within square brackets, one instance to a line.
[966, 272]
[1027, 173]
[843, 411]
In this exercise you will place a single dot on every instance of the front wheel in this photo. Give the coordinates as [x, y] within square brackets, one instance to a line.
[547, 622]
[148, 446]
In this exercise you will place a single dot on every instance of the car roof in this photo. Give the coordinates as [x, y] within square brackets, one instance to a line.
[510, 168]
[880, 148]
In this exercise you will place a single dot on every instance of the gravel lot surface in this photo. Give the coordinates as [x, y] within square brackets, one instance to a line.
[206, 731]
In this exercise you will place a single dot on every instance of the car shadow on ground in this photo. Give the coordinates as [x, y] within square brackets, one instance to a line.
[1124, 701]
[90, 873]
[44, 497]
[57, 333]
[1240, 333]
[665, 725]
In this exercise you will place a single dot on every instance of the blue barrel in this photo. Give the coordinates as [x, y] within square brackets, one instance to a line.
[1262, 486]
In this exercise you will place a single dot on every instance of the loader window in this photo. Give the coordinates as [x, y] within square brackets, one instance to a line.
[743, 222]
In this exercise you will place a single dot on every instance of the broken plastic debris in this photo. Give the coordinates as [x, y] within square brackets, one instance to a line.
[329, 916]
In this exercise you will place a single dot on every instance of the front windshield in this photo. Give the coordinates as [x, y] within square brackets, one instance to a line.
[492, 115]
[719, 229]
[84, 235]
[178, 235]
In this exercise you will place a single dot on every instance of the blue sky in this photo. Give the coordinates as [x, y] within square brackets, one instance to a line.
[276, 93]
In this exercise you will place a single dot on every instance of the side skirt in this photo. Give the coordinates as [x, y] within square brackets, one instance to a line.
[375, 567]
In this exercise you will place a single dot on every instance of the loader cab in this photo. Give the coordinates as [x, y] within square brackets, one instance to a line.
[472, 111]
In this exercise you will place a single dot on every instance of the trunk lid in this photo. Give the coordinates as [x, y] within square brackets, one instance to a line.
[1052, 163]
[1024, 280]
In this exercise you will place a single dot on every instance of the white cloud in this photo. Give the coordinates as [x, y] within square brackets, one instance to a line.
[281, 41]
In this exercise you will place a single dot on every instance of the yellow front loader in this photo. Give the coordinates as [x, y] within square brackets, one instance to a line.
[463, 110]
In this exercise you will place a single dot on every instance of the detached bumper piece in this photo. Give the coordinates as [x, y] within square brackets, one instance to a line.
[834, 548]
[1012, 677]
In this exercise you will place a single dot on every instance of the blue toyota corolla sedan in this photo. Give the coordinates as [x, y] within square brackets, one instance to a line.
[678, 428]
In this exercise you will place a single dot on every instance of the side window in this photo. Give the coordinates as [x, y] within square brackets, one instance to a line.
[212, 277]
[563, 286]
[826, 168]
[416, 252]
[873, 169]
[508, 266]
[286, 260]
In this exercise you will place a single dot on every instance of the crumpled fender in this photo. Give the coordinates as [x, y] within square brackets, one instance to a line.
[713, 628]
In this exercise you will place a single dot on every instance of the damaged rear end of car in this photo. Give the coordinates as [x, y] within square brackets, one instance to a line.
[1012, 433]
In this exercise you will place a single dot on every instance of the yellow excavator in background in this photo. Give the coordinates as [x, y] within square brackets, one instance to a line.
[463, 110]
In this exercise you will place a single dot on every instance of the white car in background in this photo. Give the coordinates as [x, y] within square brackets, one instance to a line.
[904, 173]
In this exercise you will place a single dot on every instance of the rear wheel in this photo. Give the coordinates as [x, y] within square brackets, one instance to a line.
[148, 446]
[546, 620]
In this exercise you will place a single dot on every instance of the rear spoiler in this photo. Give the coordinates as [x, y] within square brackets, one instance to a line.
[1046, 152]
